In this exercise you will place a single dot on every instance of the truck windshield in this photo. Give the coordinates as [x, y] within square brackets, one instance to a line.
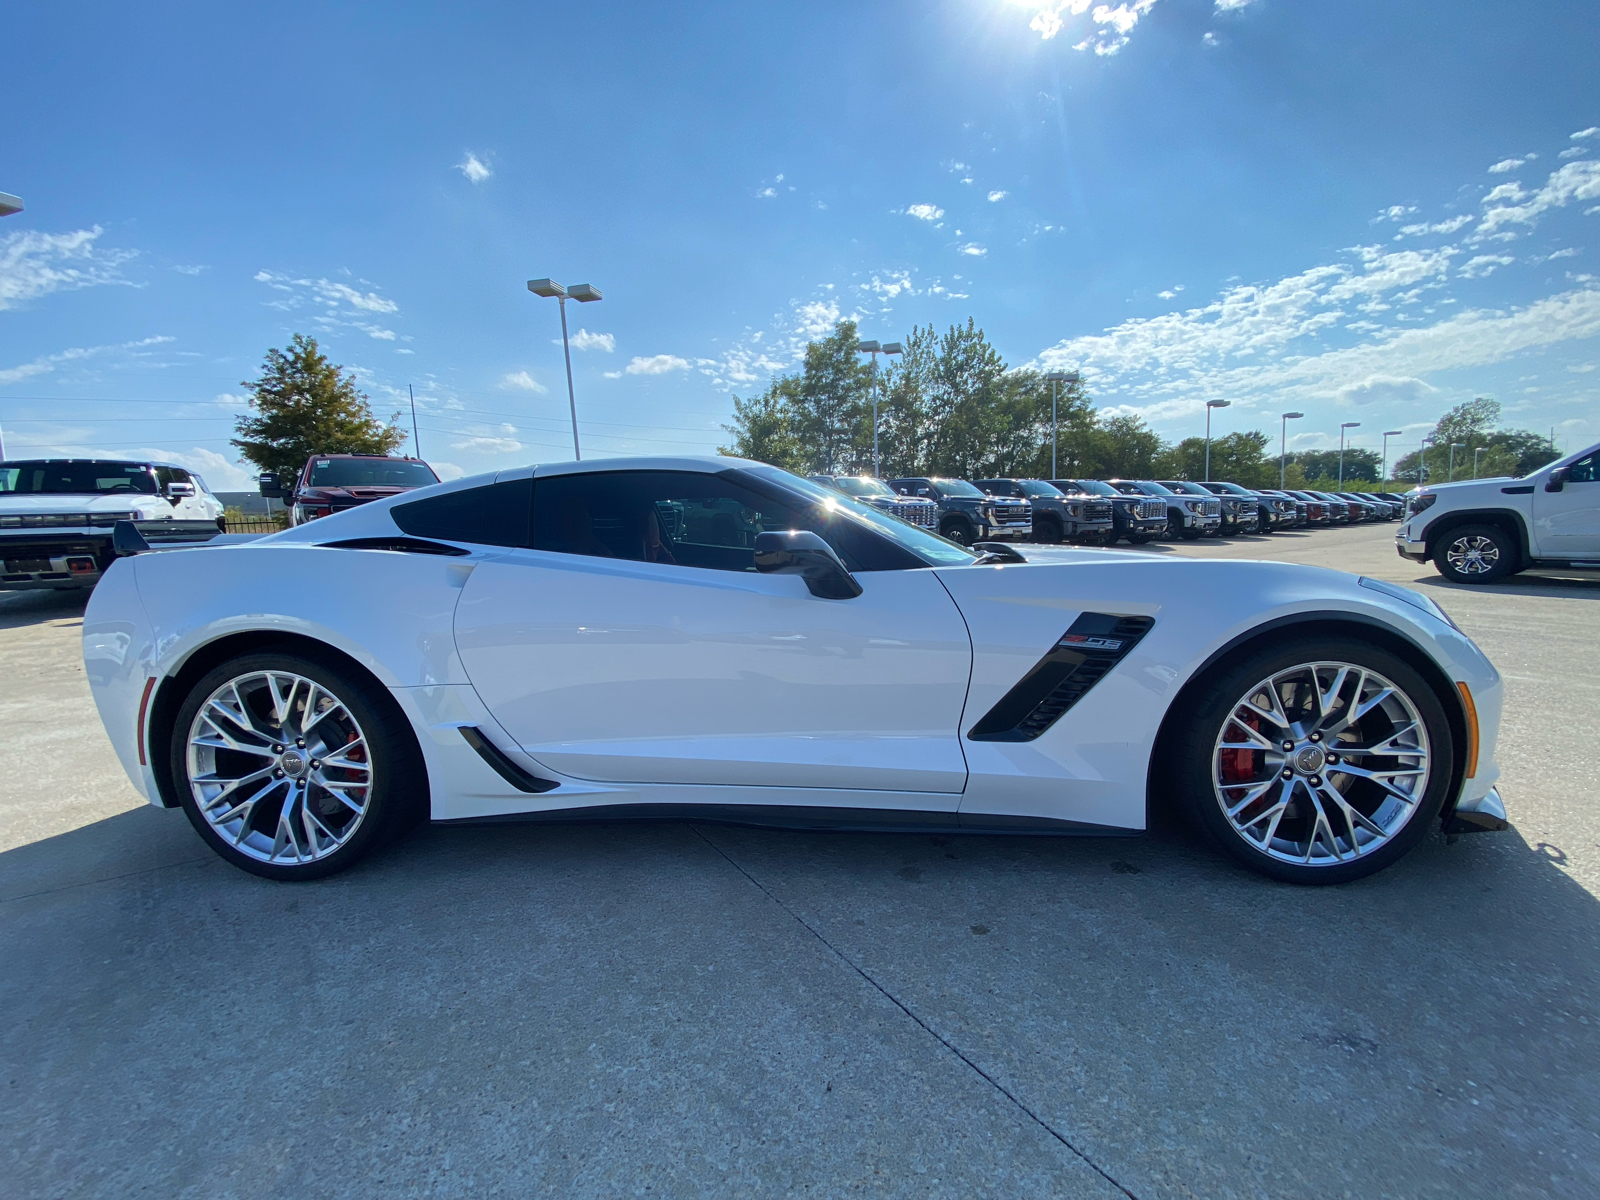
[1037, 487]
[370, 472]
[1093, 486]
[956, 487]
[81, 478]
[1184, 487]
[861, 485]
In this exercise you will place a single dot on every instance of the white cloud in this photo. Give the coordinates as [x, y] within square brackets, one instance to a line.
[1569, 252]
[181, 270]
[474, 168]
[613, 374]
[1210, 39]
[1394, 212]
[1484, 264]
[898, 283]
[656, 364]
[767, 193]
[34, 264]
[1449, 225]
[488, 445]
[1114, 24]
[522, 381]
[446, 471]
[924, 212]
[974, 249]
[1509, 204]
[1506, 164]
[1233, 5]
[1574, 152]
[1585, 134]
[996, 197]
[584, 340]
[337, 305]
[48, 363]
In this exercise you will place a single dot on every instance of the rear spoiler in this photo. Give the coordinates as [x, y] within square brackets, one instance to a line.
[142, 537]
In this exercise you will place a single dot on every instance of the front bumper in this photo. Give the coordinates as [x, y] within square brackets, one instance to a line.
[1406, 548]
[1088, 531]
[30, 562]
[1005, 533]
[1486, 814]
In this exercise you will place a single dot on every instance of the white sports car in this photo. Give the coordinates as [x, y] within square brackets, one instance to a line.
[716, 639]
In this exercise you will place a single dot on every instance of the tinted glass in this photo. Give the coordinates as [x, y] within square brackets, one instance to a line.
[956, 487]
[494, 515]
[1093, 486]
[81, 478]
[843, 514]
[1582, 471]
[370, 472]
[1184, 487]
[859, 485]
[688, 519]
[1038, 487]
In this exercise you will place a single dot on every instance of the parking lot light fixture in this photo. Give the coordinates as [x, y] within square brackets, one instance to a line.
[583, 293]
[1210, 404]
[875, 349]
[1283, 445]
[9, 204]
[1057, 378]
[1342, 428]
[1454, 446]
[1476, 450]
[1383, 469]
[1422, 462]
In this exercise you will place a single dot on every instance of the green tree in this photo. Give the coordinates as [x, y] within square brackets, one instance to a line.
[1122, 447]
[1236, 457]
[763, 428]
[1323, 466]
[1470, 427]
[303, 405]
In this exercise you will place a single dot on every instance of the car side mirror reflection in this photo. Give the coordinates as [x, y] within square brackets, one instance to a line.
[1556, 481]
[801, 552]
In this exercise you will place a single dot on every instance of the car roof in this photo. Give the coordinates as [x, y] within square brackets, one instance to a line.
[386, 457]
[95, 458]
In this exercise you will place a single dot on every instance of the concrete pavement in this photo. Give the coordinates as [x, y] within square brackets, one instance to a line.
[695, 1010]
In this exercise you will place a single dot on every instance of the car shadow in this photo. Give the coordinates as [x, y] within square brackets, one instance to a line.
[21, 609]
[1565, 586]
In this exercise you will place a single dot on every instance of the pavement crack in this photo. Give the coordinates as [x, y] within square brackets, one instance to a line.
[921, 1024]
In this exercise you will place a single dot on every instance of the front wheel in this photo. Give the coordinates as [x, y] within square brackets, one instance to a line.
[1141, 539]
[293, 769]
[1317, 762]
[1475, 554]
[958, 532]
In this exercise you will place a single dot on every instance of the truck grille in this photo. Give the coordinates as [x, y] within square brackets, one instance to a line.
[1097, 512]
[1211, 508]
[1011, 514]
[1150, 510]
[916, 514]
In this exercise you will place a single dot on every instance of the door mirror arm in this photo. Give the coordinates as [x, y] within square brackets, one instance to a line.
[801, 552]
[1557, 480]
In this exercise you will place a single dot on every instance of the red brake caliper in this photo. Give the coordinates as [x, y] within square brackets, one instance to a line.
[1239, 766]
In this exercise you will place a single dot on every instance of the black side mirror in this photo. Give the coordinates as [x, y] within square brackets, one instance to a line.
[801, 552]
[1557, 480]
[271, 485]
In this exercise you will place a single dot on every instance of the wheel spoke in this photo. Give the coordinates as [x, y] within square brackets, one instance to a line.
[1257, 791]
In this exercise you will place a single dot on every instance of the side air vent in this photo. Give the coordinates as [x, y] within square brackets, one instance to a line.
[401, 545]
[1086, 653]
[503, 766]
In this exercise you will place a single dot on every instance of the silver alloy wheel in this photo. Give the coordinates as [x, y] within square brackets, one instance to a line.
[279, 767]
[1321, 763]
[1473, 555]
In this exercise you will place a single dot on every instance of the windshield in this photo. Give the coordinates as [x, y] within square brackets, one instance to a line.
[1037, 487]
[1093, 486]
[1186, 488]
[1128, 488]
[930, 547]
[1233, 489]
[955, 487]
[370, 472]
[81, 478]
[861, 485]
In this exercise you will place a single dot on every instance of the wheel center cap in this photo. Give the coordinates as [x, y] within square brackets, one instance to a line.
[1308, 760]
[292, 763]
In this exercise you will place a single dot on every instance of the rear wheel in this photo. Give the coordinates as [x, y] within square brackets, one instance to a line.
[293, 769]
[1475, 554]
[1319, 762]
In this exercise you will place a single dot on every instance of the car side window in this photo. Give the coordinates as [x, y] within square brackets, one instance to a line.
[688, 519]
[1582, 471]
[496, 514]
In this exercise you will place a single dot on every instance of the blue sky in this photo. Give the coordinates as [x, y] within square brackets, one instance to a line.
[1365, 211]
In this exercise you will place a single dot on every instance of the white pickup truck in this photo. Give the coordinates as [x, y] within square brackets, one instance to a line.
[1482, 530]
[58, 515]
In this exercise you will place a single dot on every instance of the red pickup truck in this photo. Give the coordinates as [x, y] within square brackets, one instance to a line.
[331, 483]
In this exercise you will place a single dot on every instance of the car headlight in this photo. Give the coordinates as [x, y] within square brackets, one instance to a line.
[986, 511]
[1415, 599]
[1192, 505]
[1416, 504]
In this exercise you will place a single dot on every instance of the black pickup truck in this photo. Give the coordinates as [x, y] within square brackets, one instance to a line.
[966, 515]
[1057, 517]
[1133, 517]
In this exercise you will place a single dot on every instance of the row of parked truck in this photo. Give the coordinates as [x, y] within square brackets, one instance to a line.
[1102, 512]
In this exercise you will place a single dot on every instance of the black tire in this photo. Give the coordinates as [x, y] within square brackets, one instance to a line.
[370, 721]
[1475, 554]
[1193, 774]
[1048, 529]
[1141, 539]
[959, 531]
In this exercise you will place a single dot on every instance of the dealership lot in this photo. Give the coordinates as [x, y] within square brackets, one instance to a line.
[697, 1009]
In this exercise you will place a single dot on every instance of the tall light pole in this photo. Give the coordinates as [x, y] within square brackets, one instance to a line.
[1283, 445]
[583, 293]
[1383, 470]
[1210, 404]
[875, 349]
[1422, 463]
[1477, 450]
[1454, 446]
[1057, 378]
[1342, 428]
[416, 442]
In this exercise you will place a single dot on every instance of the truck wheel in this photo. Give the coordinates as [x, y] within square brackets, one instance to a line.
[1047, 529]
[958, 531]
[1475, 554]
[1140, 539]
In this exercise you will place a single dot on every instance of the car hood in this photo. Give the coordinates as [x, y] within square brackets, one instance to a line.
[84, 502]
